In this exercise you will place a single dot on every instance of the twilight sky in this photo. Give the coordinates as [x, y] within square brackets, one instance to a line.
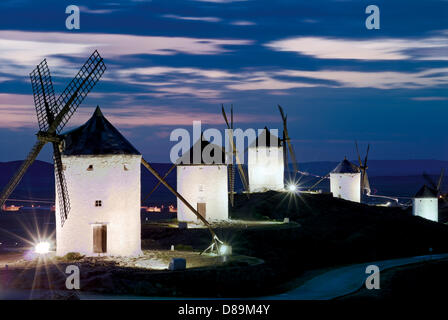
[172, 62]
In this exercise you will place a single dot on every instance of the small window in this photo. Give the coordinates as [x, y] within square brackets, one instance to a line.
[90, 168]
[125, 167]
[98, 203]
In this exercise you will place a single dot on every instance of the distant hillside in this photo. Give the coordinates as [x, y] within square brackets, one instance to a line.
[38, 182]
[388, 177]
[382, 167]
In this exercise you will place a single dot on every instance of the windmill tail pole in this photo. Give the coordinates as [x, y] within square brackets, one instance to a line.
[160, 182]
[20, 172]
[318, 182]
[156, 174]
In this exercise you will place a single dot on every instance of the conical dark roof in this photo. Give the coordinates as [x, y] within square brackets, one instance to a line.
[187, 157]
[97, 137]
[346, 166]
[266, 139]
[426, 192]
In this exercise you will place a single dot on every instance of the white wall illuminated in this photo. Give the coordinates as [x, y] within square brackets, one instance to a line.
[203, 184]
[115, 181]
[346, 186]
[265, 168]
[427, 208]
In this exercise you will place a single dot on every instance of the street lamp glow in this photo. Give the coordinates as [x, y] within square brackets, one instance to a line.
[42, 247]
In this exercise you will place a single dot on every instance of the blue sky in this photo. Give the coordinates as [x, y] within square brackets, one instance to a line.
[172, 62]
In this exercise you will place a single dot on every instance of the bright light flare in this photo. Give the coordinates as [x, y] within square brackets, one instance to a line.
[225, 250]
[292, 187]
[42, 247]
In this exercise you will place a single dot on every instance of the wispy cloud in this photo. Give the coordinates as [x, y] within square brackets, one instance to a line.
[18, 112]
[3, 79]
[204, 19]
[162, 70]
[378, 79]
[242, 23]
[429, 98]
[373, 49]
[84, 9]
[22, 49]
[220, 1]
[267, 83]
[164, 81]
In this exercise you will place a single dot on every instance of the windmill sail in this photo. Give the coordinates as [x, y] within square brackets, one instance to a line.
[21, 172]
[365, 185]
[43, 93]
[76, 91]
[61, 185]
[235, 151]
[287, 144]
[52, 116]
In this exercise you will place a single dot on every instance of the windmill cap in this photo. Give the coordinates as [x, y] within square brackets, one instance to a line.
[188, 157]
[346, 166]
[426, 192]
[266, 139]
[97, 137]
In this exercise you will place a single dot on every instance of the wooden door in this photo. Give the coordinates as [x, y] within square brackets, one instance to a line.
[100, 239]
[202, 209]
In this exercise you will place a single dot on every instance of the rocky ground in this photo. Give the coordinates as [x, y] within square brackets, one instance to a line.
[144, 275]
[324, 232]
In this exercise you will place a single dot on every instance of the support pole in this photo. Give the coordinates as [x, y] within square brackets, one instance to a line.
[189, 206]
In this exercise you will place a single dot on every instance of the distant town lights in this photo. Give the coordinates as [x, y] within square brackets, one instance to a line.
[42, 247]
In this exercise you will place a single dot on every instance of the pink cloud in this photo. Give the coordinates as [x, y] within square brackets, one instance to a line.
[17, 111]
[372, 49]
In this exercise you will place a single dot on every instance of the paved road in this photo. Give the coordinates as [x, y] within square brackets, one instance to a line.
[344, 280]
[329, 285]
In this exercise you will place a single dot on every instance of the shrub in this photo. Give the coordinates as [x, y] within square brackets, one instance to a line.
[72, 256]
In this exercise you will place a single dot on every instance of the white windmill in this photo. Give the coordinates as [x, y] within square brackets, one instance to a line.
[203, 182]
[265, 163]
[268, 161]
[345, 181]
[426, 201]
[348, 180]
[103, 179]
[52, 115]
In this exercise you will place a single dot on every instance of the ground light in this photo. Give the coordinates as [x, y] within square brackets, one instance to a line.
[219, 247]
[225, 250]
[292, 187]
[42, 247]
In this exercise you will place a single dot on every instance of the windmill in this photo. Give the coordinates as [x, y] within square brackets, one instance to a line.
[426, 201]
[231, 167]
[365, 185]
[433, 185]
[287, 141]
[52, 116]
